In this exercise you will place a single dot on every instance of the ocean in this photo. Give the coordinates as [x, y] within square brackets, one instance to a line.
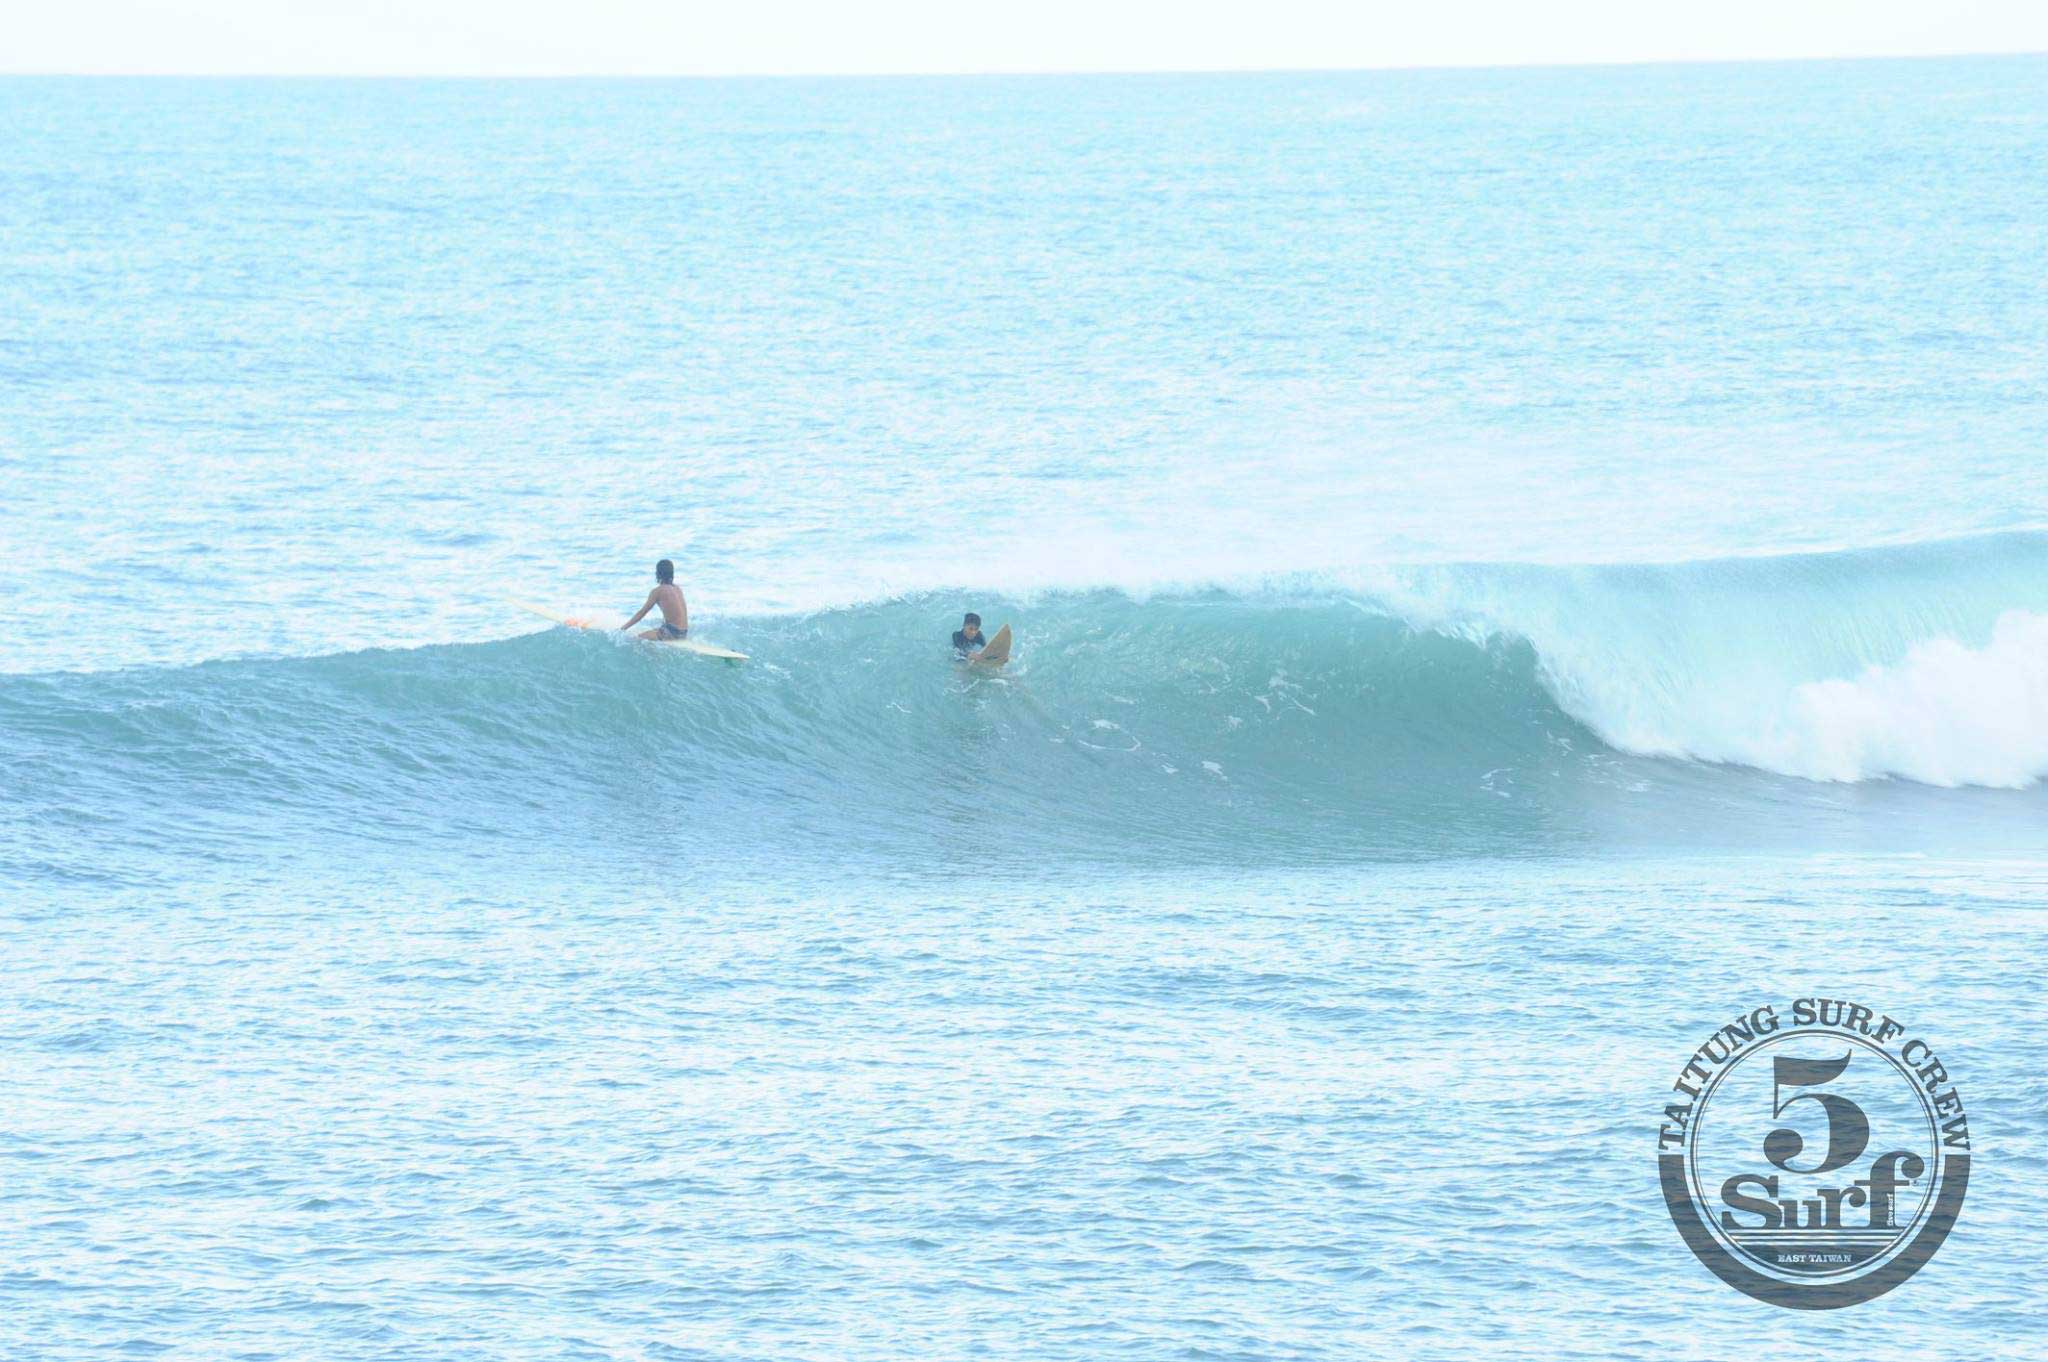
[1510, 570]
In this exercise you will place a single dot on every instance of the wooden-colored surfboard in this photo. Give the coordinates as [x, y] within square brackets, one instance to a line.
[997, 652]
[688, 645]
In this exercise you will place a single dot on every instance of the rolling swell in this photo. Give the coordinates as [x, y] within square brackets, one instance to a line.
[1398, 713]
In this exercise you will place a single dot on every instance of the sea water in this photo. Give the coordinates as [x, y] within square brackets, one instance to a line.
[1510, 569]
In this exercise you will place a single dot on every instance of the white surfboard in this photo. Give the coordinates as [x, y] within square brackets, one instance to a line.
[688, 645]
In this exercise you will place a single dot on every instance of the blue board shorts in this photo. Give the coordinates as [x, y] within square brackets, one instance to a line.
[670, 631]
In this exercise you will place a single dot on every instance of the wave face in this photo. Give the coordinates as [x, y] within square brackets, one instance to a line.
[1928, 663]
[1396, 713]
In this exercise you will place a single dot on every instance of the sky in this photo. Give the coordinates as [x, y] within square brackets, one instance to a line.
[791, 37]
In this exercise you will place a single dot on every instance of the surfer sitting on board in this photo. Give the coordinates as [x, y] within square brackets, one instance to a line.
[675, 612]
[967, 639]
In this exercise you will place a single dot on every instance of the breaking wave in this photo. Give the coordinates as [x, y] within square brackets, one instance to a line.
[1388, 711]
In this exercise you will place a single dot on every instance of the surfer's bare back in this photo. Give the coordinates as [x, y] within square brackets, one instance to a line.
[675, 611]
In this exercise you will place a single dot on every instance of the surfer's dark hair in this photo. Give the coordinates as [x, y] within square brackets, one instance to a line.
[664, 571]
[972, 618]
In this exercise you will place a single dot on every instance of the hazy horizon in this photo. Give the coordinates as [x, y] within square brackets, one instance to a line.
[1107, 74]
[634, 38]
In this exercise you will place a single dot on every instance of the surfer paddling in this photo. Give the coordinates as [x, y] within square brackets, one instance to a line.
[970, 646]
[967, 639]
[675, 611]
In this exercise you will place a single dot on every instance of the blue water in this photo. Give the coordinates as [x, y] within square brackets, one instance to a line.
[1509, 569]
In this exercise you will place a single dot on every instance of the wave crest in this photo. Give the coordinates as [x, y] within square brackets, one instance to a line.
[1947, 715]
[1497, 709]
[1927, 662]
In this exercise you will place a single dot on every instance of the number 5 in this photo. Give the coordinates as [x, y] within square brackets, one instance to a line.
[1848, 1127]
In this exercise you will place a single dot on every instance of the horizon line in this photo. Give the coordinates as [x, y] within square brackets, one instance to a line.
[1619, 63]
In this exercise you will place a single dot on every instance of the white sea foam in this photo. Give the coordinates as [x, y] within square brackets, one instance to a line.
[1948, 714]
[1927, 663]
